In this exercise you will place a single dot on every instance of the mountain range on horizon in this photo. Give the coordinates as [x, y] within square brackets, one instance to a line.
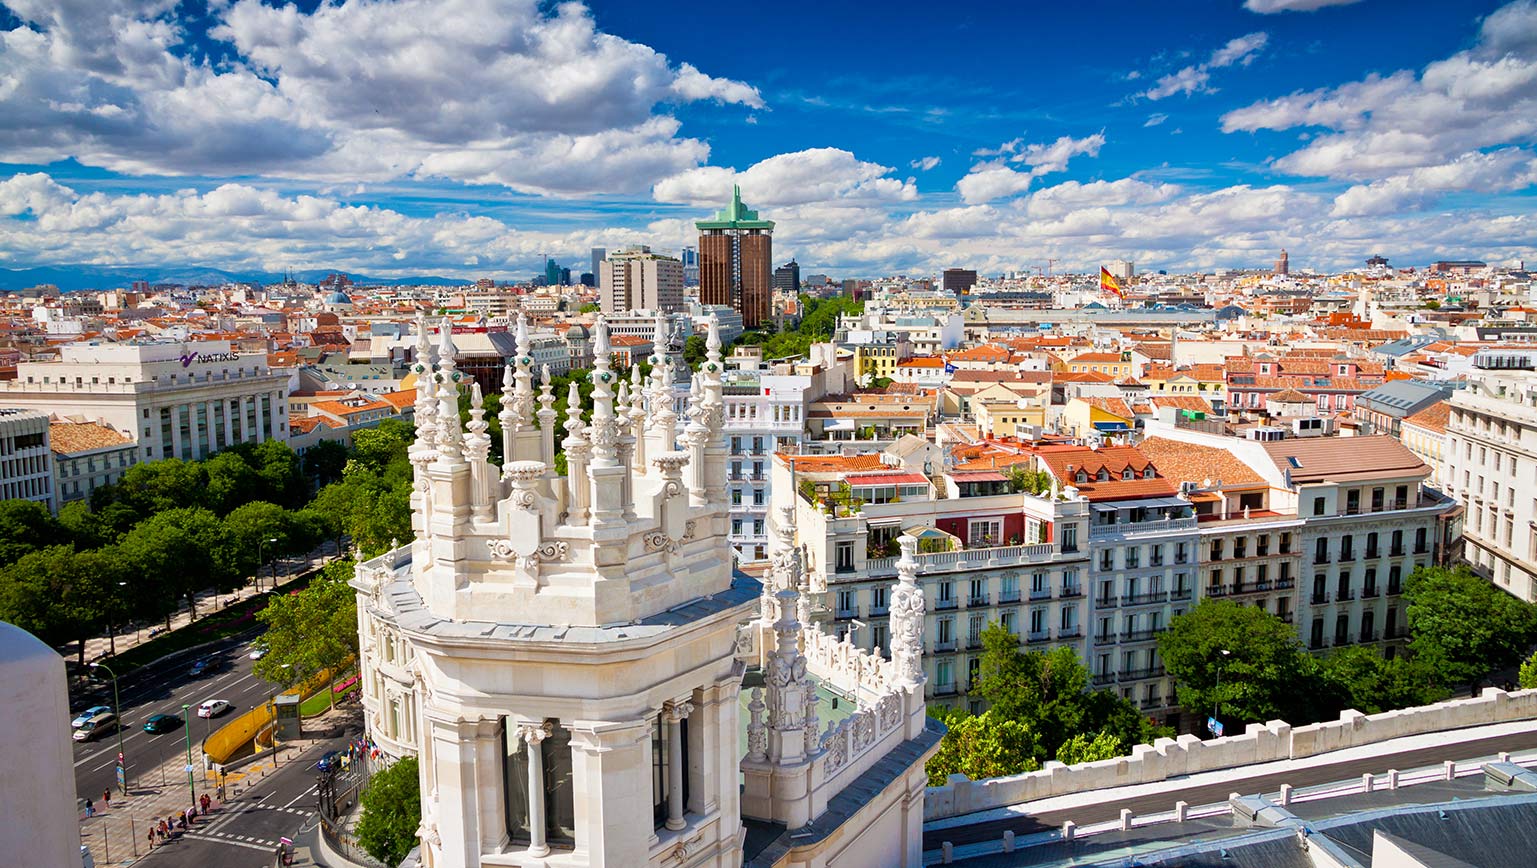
[75, 278]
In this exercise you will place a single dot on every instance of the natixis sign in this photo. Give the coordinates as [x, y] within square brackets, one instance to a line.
[201, 358]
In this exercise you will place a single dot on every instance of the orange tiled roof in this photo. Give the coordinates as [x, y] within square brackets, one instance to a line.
[338, 408]
[833, 463]
[1097, 357]
[1191, 462]
[1182, 402]
[67, 438]
[399, 400]
[1432, 418]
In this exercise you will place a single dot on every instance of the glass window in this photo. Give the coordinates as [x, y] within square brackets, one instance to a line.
[559, 808]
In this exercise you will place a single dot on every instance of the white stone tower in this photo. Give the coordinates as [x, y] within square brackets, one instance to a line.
[565, 653]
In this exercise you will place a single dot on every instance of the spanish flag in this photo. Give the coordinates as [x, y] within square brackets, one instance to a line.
[1108, 283]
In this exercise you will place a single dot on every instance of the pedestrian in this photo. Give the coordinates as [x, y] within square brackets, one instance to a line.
[150, 837]
[204, 801]
[90, 809]
[106, 797]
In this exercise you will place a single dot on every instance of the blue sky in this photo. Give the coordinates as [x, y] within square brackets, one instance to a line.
[471, 137]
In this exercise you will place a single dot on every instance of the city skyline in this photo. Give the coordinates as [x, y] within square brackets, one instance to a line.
[242, 137]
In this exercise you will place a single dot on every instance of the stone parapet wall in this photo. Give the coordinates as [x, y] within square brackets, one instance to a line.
[1268, 742]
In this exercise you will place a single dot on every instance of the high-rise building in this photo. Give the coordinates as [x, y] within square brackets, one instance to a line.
[690, 257]
[1283, 265]
[787, 277]
[598, 255]
[551, 272]
[735, 252]
[958, 281]
[1122, 269]
[637, 279]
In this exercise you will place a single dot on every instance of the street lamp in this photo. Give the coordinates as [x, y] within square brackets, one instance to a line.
[1216, 691]
[186, 725]
[117, 710]
[260, 562]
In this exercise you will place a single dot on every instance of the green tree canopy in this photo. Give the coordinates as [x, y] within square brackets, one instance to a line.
[392, 811]
[1462, 627]
[26, 526]
[1528, 673]
[982, 746]
[1264, 673]
[312, 629]
[1370, 683]
[1083, 748]
[324, 461]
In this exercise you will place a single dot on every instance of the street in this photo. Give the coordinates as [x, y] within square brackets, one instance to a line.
[145, 693]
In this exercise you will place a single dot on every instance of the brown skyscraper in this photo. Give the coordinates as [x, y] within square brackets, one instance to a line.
[736, 254]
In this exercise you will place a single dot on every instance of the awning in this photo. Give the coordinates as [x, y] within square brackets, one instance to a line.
[839, 425]
[1111, 426]
[1142, 503]
[978, 476]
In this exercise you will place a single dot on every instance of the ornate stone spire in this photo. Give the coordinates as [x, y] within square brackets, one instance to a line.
[426, 394]
[477, 448]
[605, 431]
[517, 395]
[907, 618]
[450, 439]
[637, 418]
[713, 402]
[664, 421]
[577, 450]
[695, 436]
[546, 416]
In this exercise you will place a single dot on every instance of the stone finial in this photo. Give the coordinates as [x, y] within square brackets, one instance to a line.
[426, 397]
[605, 431]
[450, 440]
[907, 611]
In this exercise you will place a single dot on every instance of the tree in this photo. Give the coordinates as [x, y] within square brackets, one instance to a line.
[324, 461]
[251, 525]
[1369, 683]
[231, 482]
[1083, 749]
[694, 351]
[983, 746]
[1528, 673]
[1463, 627]
[311, 630]
[26, 526]
[392, 811]
[61, 595]
[383, 445]
[1264, 674]
[179, 552]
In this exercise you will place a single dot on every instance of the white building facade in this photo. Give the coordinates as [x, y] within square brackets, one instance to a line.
[26, 465]
[175, 400]
[566, 655]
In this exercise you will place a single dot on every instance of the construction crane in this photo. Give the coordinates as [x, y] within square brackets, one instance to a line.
[1049, 264]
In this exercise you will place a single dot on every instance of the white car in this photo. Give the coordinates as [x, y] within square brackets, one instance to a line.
[258, 652]
[89, 713]
[212, 708]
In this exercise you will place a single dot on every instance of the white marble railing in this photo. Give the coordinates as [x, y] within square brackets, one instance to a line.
[846, 667]
[867, 734]
[977, 557]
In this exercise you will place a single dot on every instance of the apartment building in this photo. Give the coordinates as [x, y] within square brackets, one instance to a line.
[176, 400]
[987, 555]
[87, 456]
[765, 413]
[26, 467]
[1491, 467]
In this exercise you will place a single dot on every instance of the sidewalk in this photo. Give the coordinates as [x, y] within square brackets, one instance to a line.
[116, 835]
[208, 602]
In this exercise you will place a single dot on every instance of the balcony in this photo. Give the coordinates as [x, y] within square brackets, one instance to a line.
[1285, 616]
[1321, 558]
[968, 559]
[1142, 674]
[1347, 594]
[879, 611]
[1179, 594]
[1368, 635]
[947, 603]
[1389, 633]
[1151, 702]
[1347, 556]
[1104, 678]
[1370, 591]
[1069, 632]
[1009, 597]
[1320, 599]
[1142, 528]
[1070, 592]
[1285, 582]
[1373, 554]
[1040, 635]
[1144, 599]
[978, 600]
[1040, 594]
[944, 646]
[1394, 589]
[1422, 549]
[1106, 638]
[1215, 591]
[1141, 635]
[1396, 552]
[1155, 562]
[973, 643]
[947, 689]
[1106, 602]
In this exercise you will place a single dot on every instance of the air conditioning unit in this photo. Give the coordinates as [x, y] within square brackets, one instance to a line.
[1265, 434]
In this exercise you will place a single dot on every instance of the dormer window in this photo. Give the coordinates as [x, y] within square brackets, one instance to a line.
[1082, 477]
[1103, 475]
[1128, 474]
[1148, 472]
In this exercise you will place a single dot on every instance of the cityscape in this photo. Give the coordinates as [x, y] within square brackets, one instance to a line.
[432, 431]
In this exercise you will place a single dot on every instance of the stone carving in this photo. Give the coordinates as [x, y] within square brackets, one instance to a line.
[677, 710]
[757, 731]
[657, 541]
[907, 617]
[681, 851]
[534, 733]
[809, 725]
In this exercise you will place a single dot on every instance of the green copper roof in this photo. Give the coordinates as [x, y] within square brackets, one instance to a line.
[735, 216]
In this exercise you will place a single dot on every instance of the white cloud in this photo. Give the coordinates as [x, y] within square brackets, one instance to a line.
[1480, 98]
[817, 175]
[1047, 158]
[1497, 172]
[1155, 119]
[993, 179]
[1241, 50]
[988, 181]
[1068, 196]
[497, 91]
[1270, 7]
[923, 164]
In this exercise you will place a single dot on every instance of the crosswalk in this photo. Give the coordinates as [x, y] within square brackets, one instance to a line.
[216, 829]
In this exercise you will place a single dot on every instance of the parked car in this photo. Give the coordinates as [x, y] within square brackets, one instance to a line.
[158, 723]
[89, 713]
[99, 725]
[212, 708]
[332, 760]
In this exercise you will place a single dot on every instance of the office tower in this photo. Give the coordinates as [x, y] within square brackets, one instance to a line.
[1283, 265]
[787, 277]
[551, 272]
[958, 281]
[637, 279]
[1122, 269]
[735, 252]
[690, 259]
[598, 255]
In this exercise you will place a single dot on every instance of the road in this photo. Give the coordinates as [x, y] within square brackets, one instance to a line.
[145, 693]
[992, 830]
[244, 833]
